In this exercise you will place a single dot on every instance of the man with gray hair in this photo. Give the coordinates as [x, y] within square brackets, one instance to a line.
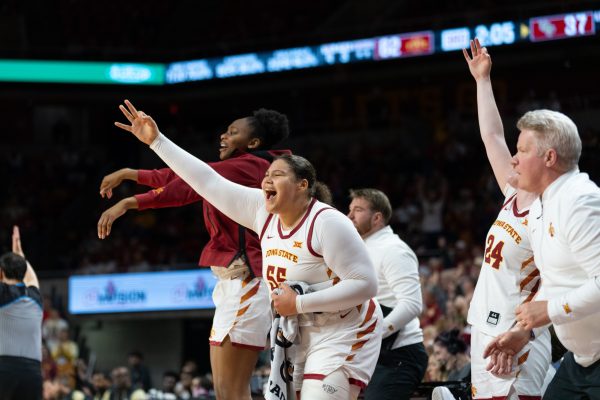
[564, 227]
[402, 361]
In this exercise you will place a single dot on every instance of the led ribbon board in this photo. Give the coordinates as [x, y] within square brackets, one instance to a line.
[81, 72]
[536, 29]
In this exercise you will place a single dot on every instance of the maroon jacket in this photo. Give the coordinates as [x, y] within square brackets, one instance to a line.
[226, 243]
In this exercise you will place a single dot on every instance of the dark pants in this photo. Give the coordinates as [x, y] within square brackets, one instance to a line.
[574, 382]
[398, 373]
[20, 378]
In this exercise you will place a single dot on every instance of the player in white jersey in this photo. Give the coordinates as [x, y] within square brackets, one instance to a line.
[302, 239]
[508, 275]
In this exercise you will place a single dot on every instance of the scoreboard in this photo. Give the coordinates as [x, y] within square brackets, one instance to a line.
[375, 49]
[535, 29]
[562, 26]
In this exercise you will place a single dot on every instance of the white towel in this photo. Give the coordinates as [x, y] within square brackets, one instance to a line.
[284, 334]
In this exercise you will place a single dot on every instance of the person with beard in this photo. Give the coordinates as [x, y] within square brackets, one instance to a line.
[402, 360]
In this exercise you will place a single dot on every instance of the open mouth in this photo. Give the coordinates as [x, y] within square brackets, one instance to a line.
[270, 194]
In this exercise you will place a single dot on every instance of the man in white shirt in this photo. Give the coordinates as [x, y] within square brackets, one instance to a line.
[402, 360]
[564, 227]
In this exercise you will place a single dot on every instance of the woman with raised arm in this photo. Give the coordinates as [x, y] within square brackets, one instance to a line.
[508, 275]
[242, 316]
[302, 240]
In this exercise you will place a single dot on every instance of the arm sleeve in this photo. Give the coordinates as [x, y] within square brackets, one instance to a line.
[346, 255]
[400, 270]
[155, 177]
[240, 203]
[173, 194]
[582, 230]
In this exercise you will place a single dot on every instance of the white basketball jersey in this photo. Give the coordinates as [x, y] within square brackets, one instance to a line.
[508, 274]
[291, 255]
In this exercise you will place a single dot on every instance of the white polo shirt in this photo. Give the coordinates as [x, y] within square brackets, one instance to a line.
[399, 287]
[564, 230]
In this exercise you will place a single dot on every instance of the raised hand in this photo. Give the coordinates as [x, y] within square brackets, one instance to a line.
[16, 242]
[480, 64]
[142, 125]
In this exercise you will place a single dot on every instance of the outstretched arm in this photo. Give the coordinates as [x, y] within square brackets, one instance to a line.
[30, 276]
[109, 216]
[490, 123]
[111, 181]
[238, 202]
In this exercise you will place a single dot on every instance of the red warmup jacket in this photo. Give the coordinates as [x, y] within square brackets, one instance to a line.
[226, 243]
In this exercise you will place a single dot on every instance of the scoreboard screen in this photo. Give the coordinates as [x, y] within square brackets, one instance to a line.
[561, 26]
[373, 49]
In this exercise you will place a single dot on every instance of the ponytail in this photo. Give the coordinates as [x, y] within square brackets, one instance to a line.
[322, 193]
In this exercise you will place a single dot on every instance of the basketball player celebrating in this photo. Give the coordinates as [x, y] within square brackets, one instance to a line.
[304, 240]
[242, 316]
[508, 275]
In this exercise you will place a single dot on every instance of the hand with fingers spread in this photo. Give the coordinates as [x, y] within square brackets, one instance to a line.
[16, 242]
[480, 64]
[109, 216]
[111, 181]
[142, 125]
[284, 300]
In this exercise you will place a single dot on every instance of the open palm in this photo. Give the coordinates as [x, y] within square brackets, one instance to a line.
[480, 64]
[142, 125]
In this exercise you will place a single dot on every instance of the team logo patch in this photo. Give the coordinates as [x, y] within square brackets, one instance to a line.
[493, 318]
[159, 190]
[551, 230]
[567, 308]
[525, 222]
[329, 389]
[297, 244]
[473, 391]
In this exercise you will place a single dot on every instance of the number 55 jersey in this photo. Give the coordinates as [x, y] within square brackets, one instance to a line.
[508, 275]
[341, 334]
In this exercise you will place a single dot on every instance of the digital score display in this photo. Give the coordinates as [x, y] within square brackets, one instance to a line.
[562, 26]
[495, 34]
[372, 49]
[388, 47]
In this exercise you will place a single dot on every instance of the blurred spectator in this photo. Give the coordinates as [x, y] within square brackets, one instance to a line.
[52, 326]
[140, 375]
[49, 368]
[57, 390]
[65, 353]
[101, 385]
[183, 389]
[450, 358]
[167, 392]
[121, 388]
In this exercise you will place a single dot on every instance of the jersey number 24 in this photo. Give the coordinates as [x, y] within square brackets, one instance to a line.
[493, 252]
